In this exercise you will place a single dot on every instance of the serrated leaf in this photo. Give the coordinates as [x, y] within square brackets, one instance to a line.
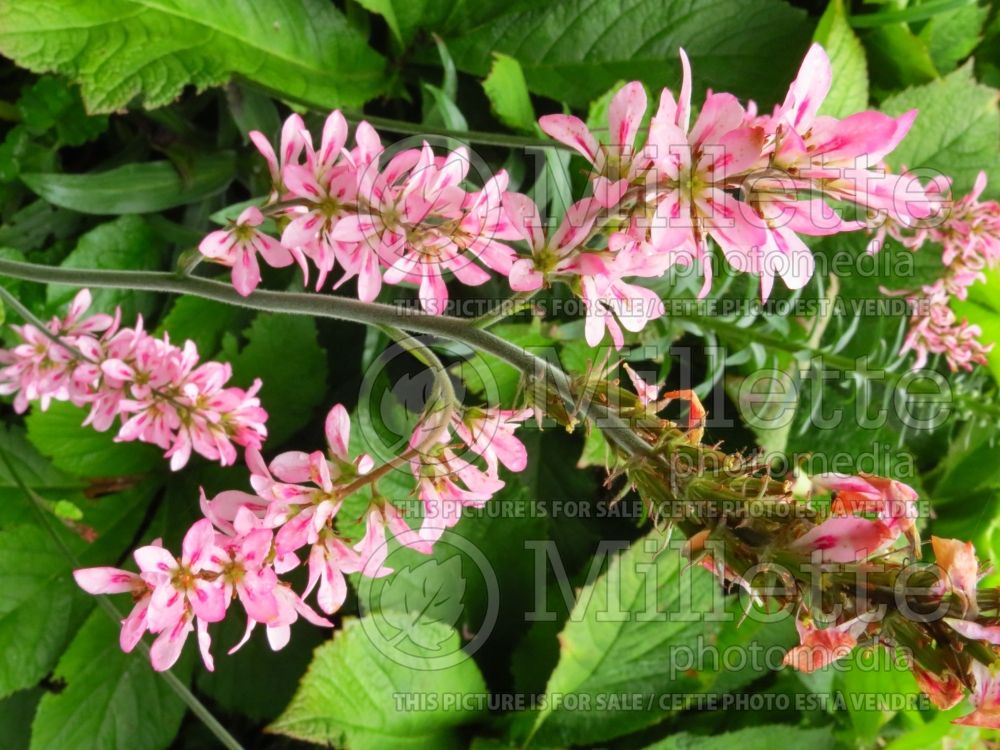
[956, 132]
[353, 695]
[406, 17]
[127, 242]
[849, 92]
[81, 451]
[953, 35]
[283, 352]
[615, 642]
[507, 91]
[574, 50]
[429, 590]
[50, 104]
[300, 49]
[111, 700]
[135, 188]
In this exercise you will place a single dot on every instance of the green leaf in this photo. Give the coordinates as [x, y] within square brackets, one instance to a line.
[619, 640]
[111, 700]
[15, 731]
[50, 104]
[126, 242]
[202, 321]
[283, 352]
[433, 590]
[897, 57]
[40, 609]
[754, 738]
[135, 188]
[873, 674]
[507, 91]
[574, 50]
[81, 451]
[299, 49]
[354, 695]
[849, 92]
[953, 35]
[956, 132]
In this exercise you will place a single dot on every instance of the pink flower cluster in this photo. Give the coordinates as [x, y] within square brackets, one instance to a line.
[750, 182]
[968, 232]
[407, 221]
[157, 390]
[245, 541]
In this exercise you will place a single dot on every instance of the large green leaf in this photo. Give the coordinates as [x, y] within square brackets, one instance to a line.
[135, 188]
[849, 92]
[956, 132]
[58, 432]
[355, 695]
[111, 700]
[127, 242]
[121, 50]
[40, 609]
[574, 50]
[283, 352]
[619, 641]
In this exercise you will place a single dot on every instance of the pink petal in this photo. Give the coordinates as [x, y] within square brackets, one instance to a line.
[573, 132]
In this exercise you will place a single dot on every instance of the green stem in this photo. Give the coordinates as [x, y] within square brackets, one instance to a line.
[182, 691]
[341, 308]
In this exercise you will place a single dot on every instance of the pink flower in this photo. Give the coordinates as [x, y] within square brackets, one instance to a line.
[555, 256]
[692, 169]
[845, 539]
[985, 699]
[490, 433]
[305, 489]
[279, 631]
[617, 163]
[293, 140]
[158, 391]
[892, 501]
[958, 560]
[944, 691]
[329, 559]
[244, 571]
[114, 581]
[842, 157]
[239, 246]
[181, 593]
[935, 329]
[819, 648]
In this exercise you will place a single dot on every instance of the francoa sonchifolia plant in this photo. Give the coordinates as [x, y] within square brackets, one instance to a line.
[750, 182]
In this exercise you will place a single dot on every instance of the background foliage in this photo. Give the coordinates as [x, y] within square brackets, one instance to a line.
[124, 142]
